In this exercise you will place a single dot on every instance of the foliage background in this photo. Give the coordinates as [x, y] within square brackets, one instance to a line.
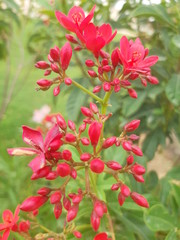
[28, 29]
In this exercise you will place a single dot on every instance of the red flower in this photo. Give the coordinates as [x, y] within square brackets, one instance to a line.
[9, 222]
[96, 38]
[75, 20]
[101, 236]
[43, 149]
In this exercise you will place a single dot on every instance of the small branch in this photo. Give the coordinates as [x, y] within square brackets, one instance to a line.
[87, 180]
[111, 229]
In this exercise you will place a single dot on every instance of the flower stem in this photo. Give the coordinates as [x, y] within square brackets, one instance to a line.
[111, 226]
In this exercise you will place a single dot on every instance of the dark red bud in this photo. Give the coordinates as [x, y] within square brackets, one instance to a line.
[132, 93]
[73, 173]
[54, 68]
[55, 197]
[106, 86]
[130, 159]
[115, 187]
[77, 234]
[113, 165]
[42, 65]
[85, 141]
[127, 146]
[92, 73]
[89, 63]
[139, 200]
[44, 191]
[71, 38]
[109, 142]
[56, 91]
[97, 89]
[57, 210]
[69, 137]
[94, 108]
[86, 112]
[136, 150]
[61, 122]
[97, 165]
[121, 199]
[33, 203]
[65, 55]
[66, 155]
[85, 157]
[63, 169]
[125, 191]
[68, 81]
[72, 212]
[131, 126]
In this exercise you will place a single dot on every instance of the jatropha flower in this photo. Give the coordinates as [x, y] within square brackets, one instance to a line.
[43, 149]
[9, 222]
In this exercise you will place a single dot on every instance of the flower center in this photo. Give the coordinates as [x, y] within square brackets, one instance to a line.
[77, 17]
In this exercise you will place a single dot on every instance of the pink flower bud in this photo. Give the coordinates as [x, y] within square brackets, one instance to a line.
[47, 72]
[104, 54]
[125, 191]
[132, 93]
[42, 65]
[77, 234]
[65, 55]
[57, 210]
[133, 137]
[133, 76]
[144, 82]
[54, 68]
[77, 199]
[127, 146]
[121, 199]
[50, 59]
[68, 81]
[95, 132]
[35, 212]
[44, 83]
[139, 200]
[52, 175]
[86, 112]
[109, 142]
[66, 155]
[44, 191]
[125, 83]
[152, 80]
[94, 108]
[63, 169]
[41, 173]
[104, 62]
[97, 89]
[33, 203]
[107, 68]
[95, 221]
[66, 203]
[54, 53]
[82, 128]
[130, 159]
[113, 165]
[71, 125]
[97, 165]
[98, 208]
[78, 48]
[69, 137]
[117, 88]
[115, 57]
[55, 197]
[61, 122]
[73, 173]
[89, 63]
[85, 157]
[85, 141]
[71, 38]
[92, 73]
[131, 126]
[106, 86]
[72, 212]
[56, 91]
[116, 81]
[136, 150]
[115, 187]
[138, 169]
[24, 226]
[138, 178]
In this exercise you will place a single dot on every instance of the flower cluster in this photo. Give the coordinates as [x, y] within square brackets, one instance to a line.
[53, 156]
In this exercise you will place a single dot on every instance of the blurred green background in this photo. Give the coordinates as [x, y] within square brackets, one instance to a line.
[28, 29]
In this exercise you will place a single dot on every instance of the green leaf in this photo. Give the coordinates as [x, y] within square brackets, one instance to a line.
[171, 235]
[157, 11]
[173, 90]
[157, 218]
[130, 105]
[176, 40]
[151, 180]
[74, 103]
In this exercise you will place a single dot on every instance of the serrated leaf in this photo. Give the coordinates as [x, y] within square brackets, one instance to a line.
[173, 90]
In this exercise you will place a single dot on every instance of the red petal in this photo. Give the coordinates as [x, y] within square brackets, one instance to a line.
[6, 234]
[7, 216]
[21, 151]
[111, 37]
[76, 11]
[37, 163]
[148, 62]
[3, 226]
[105, 30]
[51, 135]
[65, 55]
[90, 31]
[32, 137]
[16, 213]
[65, 21]
[87, 19]
[124, 47]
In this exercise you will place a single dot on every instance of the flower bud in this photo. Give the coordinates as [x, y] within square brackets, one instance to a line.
[115, 187]
[47, 72]
[33, 203]
[41, 173]
[56, 91]
[77, 234]
[127, 146]
[125, 83]
[133, 76]
[85, 141]
[115, 57]
[113, 165]
[95, 132]
[44, 191]
[65, 55]
[133, 137]
[138, 178]
[117, 88]
[109, 142]
[61, 122]
[125, 191]
[66, 155]
[107, 68]
[97, 89]
[131, 126]
[121, 199]
[52, 175]
[97, 165]
[152, 80]
[85, 157]
[44, 83]
[71, 38]
[82, 128]
[104, 54]
[54, 53]
[42, 65]
[104, 62]
[78, 48]
[95, 221]
[24, 226]
[106, 86]
[72, 212]
[132, 93]
[86, 112]
[116, 81]
[89, 63]
[54, 68]
[94, 108]
[138, 169]
[136, 150]
[68, 81]
[66, 203]
[98, 208]
[71, 125]
[57, 210]
[73, 173]
[92, 73]
[139, 200]
[63, 169]
[77, 198]
[101, 236]
[144, 82]
[69, 137]
[130, 159]
[55, 197]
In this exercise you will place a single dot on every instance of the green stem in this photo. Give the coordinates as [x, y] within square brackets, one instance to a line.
[87, 91]
[105, 102]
